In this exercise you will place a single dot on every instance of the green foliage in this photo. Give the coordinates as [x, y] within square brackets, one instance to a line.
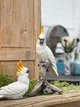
[60, 84]
[65, 86]
[69, 46]
[5, 80]
[56, 83]
[31, 86]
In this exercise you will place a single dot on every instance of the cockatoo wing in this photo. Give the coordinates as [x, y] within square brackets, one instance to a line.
[52, 61]
[13, 89]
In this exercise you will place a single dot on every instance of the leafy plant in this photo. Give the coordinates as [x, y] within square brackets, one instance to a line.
[65, 86]
[69, 45]
[56, 83]
[31, 86]
[5, 80]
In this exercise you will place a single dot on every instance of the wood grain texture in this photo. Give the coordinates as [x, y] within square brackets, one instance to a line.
[19, 29]
[66, 100]
[9, 67]
[16, 23]
[37, 24]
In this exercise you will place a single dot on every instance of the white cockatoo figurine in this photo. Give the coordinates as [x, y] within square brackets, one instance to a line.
[17, 89]
[46, 62]
[45, 54]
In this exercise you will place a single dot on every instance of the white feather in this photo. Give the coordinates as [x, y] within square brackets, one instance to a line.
[44, 53]
[16, 89]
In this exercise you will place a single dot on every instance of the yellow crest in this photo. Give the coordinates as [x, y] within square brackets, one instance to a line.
[19, 67]
[42, 36]
[42, 29]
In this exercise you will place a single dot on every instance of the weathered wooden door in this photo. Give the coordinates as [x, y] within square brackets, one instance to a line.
[17, 36]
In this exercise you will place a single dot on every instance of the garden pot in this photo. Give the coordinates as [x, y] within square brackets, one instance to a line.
[69, 57]
[75, 67]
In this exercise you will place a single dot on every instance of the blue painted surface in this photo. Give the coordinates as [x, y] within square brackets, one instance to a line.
[75, 67]
[60, 66]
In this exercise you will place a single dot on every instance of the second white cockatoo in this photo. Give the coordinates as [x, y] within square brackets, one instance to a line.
[45, 54]
[17, 89]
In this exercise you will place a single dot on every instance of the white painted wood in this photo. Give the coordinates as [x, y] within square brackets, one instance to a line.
[61, 12]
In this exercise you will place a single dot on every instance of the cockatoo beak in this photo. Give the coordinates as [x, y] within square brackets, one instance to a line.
[41, 41]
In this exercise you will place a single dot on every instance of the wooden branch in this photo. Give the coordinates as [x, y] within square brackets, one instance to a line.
[54, 88]
[43, 83]
[36, 89]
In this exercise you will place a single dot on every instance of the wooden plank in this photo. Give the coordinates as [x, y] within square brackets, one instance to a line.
[44, 101]
[59, 100]
[16, 54]
[55, 102]
[9, 67]
[16, 30]
[17, 35]
[19, 30]
[37, 23]
[72, 104]
[16, 24]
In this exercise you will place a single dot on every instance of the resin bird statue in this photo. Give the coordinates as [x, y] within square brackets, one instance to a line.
[17, 89]
[45, 54]
[46, 63]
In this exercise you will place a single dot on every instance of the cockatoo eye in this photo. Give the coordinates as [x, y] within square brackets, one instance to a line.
[27, 71]
[78, 39]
